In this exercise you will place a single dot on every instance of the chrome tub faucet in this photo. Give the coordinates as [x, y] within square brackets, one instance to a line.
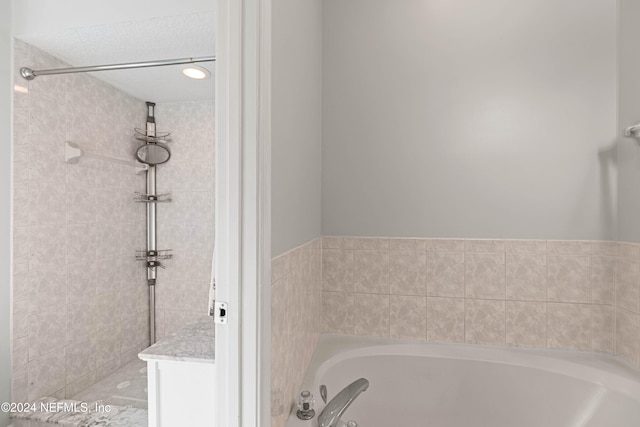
[332, 412]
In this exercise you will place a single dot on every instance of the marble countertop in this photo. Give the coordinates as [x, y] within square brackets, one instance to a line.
[193, 343]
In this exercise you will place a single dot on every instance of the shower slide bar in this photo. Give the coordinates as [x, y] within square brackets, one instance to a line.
[31, 74]
[73, 152]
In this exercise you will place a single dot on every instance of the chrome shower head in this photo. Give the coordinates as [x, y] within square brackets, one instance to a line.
[153, 153]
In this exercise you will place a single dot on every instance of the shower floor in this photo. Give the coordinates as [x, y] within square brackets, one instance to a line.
[125, 387]
[125, 391]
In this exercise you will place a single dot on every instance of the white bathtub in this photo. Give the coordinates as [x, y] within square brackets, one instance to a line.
[450, 385]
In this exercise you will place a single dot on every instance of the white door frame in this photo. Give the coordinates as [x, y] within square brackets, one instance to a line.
[243, 212]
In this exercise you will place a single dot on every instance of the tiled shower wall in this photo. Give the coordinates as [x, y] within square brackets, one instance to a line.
[186, 225]
[79, 297]
[534, 293]
[296, 299]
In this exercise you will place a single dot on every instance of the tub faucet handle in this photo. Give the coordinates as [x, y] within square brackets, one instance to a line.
[305, 406]
[323, 393]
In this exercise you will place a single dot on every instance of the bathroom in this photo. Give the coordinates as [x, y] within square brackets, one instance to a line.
[436, 172]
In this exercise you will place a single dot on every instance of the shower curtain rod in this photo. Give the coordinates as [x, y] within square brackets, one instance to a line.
[30, 74]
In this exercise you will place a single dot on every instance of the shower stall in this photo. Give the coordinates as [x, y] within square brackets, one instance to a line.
[101, 271]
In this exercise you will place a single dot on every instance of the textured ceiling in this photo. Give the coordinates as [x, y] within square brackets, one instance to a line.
[142, 40]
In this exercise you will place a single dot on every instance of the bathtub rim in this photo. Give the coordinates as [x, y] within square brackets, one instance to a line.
[602, 369]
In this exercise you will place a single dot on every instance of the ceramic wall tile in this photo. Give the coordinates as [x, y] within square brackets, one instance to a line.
[80, 358]
[445, 319]
[371, 315]
[47, 203]
[21, 203]
[569, 326]
[602, 328]
[569, 278]
[47, 332]
[81, 321]
[446, 245]
[526, 277]
[20, 291]
[371, 271]
[526, 246]
[413, 245]
[485, 276]
[47, 246]
[337, 270]
[110, 275]
[408, 317]
[20, 388]
[367, 243]
[569, 247]
[628, 250]
[626, 337]
[445, 274]
[81, 284]
[46, 157]
[20, 315]
[337, 309]
[21, 128]
[604, 248]
[82, 244]
[408, 273]
[484, 246]
[628, 285]
[21, 245]
[47, 289]
[526, 324]
[108, 311]
[108, 345]
[603, 274]
[46, 374]
[80, 208]
[485, 322]
[330, 242]
[20, 355]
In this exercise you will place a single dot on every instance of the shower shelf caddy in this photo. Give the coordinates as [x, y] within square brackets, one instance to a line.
[153, 152]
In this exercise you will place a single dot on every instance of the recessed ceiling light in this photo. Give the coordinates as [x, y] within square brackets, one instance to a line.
[196, 72]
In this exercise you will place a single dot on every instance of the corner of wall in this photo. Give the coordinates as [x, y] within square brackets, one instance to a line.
[6, 65]
[296, 299]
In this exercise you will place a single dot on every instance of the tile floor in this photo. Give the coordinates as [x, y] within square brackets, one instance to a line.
[125, 391]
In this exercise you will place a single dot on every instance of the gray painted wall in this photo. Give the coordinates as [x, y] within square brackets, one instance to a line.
[469, 119]
[296, 123]
[5, 209]
[629, 114]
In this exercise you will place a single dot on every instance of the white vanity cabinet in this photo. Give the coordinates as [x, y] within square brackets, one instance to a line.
[181, 377]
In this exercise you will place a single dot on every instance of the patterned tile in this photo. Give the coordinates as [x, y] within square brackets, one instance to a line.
[408, 317]
[445, 319]
[526, 323]
[445, 274]
[407, 273]
[485, 322]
